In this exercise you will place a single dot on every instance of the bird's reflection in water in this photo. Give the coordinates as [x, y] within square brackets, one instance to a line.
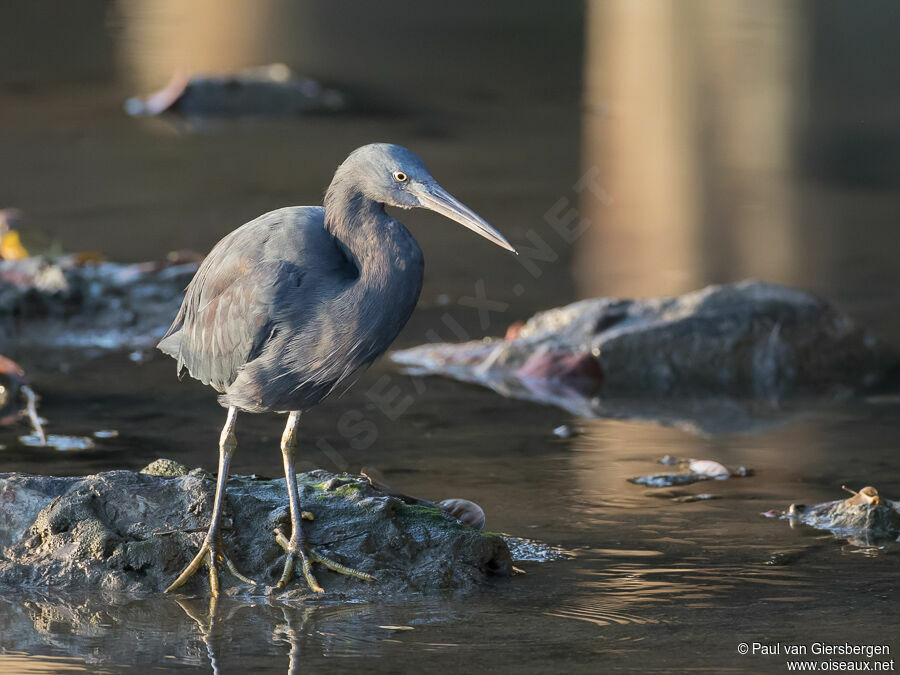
[327, 629]
[228, 633]
[209, 622]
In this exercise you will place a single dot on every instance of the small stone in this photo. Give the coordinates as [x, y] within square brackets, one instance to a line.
[165, 467]
[333, 484]
[464, 511]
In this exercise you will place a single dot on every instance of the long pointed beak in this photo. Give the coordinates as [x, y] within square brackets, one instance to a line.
[437, 199]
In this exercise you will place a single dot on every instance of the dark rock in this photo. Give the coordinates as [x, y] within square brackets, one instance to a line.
[715, 359]
[861, 522]
[272, 90]
[134, 532]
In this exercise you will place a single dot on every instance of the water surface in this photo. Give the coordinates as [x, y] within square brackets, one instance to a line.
[509, 111]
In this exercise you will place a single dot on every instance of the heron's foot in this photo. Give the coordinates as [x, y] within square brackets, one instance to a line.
[307, 555]
[211, 553]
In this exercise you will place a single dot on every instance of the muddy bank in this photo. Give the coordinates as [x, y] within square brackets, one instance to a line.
[69, 302]
[134, 531]
[722, 352]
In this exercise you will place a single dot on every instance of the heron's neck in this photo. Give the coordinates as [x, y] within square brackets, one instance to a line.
[389, 261]
[376, 243]
[352, 219]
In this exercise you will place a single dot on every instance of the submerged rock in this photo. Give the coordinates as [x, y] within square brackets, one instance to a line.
[272, 90]
[135, 531]
[715, 354]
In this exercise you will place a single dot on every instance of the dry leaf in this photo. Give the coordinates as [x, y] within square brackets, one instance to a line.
[11, 247]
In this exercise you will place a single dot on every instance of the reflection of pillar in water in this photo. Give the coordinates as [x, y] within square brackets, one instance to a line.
[159, 36]
[689, 114]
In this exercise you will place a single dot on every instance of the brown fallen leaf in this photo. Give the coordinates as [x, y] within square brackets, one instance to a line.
[868, 495]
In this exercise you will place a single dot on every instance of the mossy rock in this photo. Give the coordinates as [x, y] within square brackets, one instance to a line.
[134, 531]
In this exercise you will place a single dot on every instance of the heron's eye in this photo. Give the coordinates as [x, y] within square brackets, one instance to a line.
[400, 177]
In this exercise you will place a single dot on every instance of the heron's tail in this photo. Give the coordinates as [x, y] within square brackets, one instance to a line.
[171, 344]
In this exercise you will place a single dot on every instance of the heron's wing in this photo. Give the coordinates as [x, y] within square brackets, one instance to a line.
[225, 315]
[222, 331]
[248, 288]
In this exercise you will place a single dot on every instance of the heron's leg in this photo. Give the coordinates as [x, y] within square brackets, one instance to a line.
[213, 550]
[296, 547]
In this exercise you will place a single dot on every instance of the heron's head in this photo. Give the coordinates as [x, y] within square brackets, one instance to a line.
[392, 175]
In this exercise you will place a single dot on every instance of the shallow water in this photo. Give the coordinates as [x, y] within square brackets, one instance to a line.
[654, 585]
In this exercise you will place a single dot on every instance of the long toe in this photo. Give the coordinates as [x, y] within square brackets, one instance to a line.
[212, 554]
[306, 556]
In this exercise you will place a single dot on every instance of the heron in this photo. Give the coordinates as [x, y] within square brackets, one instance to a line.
[286, 307]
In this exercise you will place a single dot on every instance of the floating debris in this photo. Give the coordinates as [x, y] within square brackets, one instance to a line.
[681, 497]
[397, 627]
[868, 495]
[709, 468]
[866, 519]
[61, 443]
[531, 550]
[692, 471]
[659, 480]
[63, 301]
[106, 433]
[782, 558]
[565, 431]
[702, 497]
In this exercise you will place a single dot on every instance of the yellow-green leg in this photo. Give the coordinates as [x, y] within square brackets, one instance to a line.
[212, 551]
[297, 548]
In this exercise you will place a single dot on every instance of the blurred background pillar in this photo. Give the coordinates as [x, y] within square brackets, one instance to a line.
[206, 36]
[690, 115]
